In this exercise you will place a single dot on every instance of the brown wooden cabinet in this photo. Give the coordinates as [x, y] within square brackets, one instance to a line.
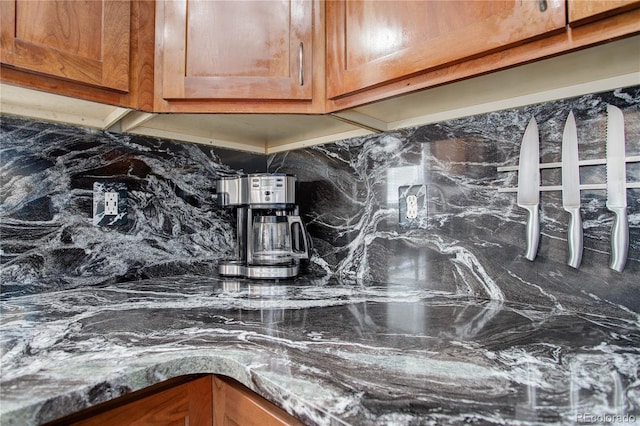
[211, 52]
[236, 50]
[87, 42]
[372, 43]
[185, 400]
[284, 56]
[98, 50]
[203, 400]
[379, 50]
[234, 404]
[582, 11]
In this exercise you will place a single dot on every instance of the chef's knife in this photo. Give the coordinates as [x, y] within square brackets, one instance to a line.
[616, 188]
[571, 190]
[529, 185]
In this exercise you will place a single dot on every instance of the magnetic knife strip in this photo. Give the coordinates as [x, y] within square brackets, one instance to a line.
[528, 190]
[593, 186]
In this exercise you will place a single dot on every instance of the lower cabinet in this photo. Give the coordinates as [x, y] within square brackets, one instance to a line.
[234, 404]
[189, 401]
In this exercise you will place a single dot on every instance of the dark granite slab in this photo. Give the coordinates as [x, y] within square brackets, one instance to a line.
[49, 173]
[327, 351]
[470, 239]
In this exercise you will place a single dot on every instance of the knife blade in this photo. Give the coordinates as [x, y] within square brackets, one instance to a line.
[571, 190]
[529, 185]
[616, 187]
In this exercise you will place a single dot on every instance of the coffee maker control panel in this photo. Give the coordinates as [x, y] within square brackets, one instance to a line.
[271, 189]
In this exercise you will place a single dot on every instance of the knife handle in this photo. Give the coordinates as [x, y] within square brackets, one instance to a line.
[574, 237]
[533, 231]
[619, 239]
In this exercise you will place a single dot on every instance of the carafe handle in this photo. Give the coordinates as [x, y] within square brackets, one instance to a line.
[298, 254]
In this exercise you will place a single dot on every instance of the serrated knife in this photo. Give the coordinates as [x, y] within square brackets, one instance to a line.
[529, 185]
[616, 187]
[571, 190]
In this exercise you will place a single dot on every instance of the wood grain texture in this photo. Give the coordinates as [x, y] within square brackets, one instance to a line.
[596, 32]
[234, 404]
[187, 404]
[372, 43]
[61, 25]
[581, 11]
[140, 93]
[145, 93]
[211, 102]
[238, 39]
[236, 50]
[193, 401]
[87, 42]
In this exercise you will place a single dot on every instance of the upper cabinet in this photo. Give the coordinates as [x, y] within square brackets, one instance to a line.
[249, 51]
[374, 42]
[365, 65]
[85, 41]
[581, 11]
[98, 50]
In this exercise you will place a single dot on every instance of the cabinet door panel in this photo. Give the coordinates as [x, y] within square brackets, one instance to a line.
[581, 10]
[83, 41]
[187, 404]
[237, 49]
[233, 404]
[373, 42]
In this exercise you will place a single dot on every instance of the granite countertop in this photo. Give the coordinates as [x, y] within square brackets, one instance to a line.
[327, 353]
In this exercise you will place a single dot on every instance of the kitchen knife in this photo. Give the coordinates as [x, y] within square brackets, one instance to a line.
[616, 188]
[571, 190]
[529, 185]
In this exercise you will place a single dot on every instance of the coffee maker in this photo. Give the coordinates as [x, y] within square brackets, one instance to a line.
[271, 238]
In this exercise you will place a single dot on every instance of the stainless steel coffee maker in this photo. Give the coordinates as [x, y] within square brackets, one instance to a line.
[271, 238]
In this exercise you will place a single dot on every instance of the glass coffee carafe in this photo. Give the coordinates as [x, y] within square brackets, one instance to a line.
[277, 240]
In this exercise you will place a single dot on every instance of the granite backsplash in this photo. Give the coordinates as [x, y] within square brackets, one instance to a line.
[468, 238]
[48, 239]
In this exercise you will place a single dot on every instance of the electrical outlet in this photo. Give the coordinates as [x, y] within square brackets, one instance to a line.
[412, 206]
[109, 204]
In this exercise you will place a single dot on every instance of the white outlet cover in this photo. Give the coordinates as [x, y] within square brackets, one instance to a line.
[110, 202]
[412, 206]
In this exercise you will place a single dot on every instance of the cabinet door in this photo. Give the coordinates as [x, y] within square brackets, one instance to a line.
[83, 41]
[186, 404]
[236, 49]
[373, 42]
[234, 404]
[584, 10]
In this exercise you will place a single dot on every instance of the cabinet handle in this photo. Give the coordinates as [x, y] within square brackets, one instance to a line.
[542, 4]
[300, 68]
